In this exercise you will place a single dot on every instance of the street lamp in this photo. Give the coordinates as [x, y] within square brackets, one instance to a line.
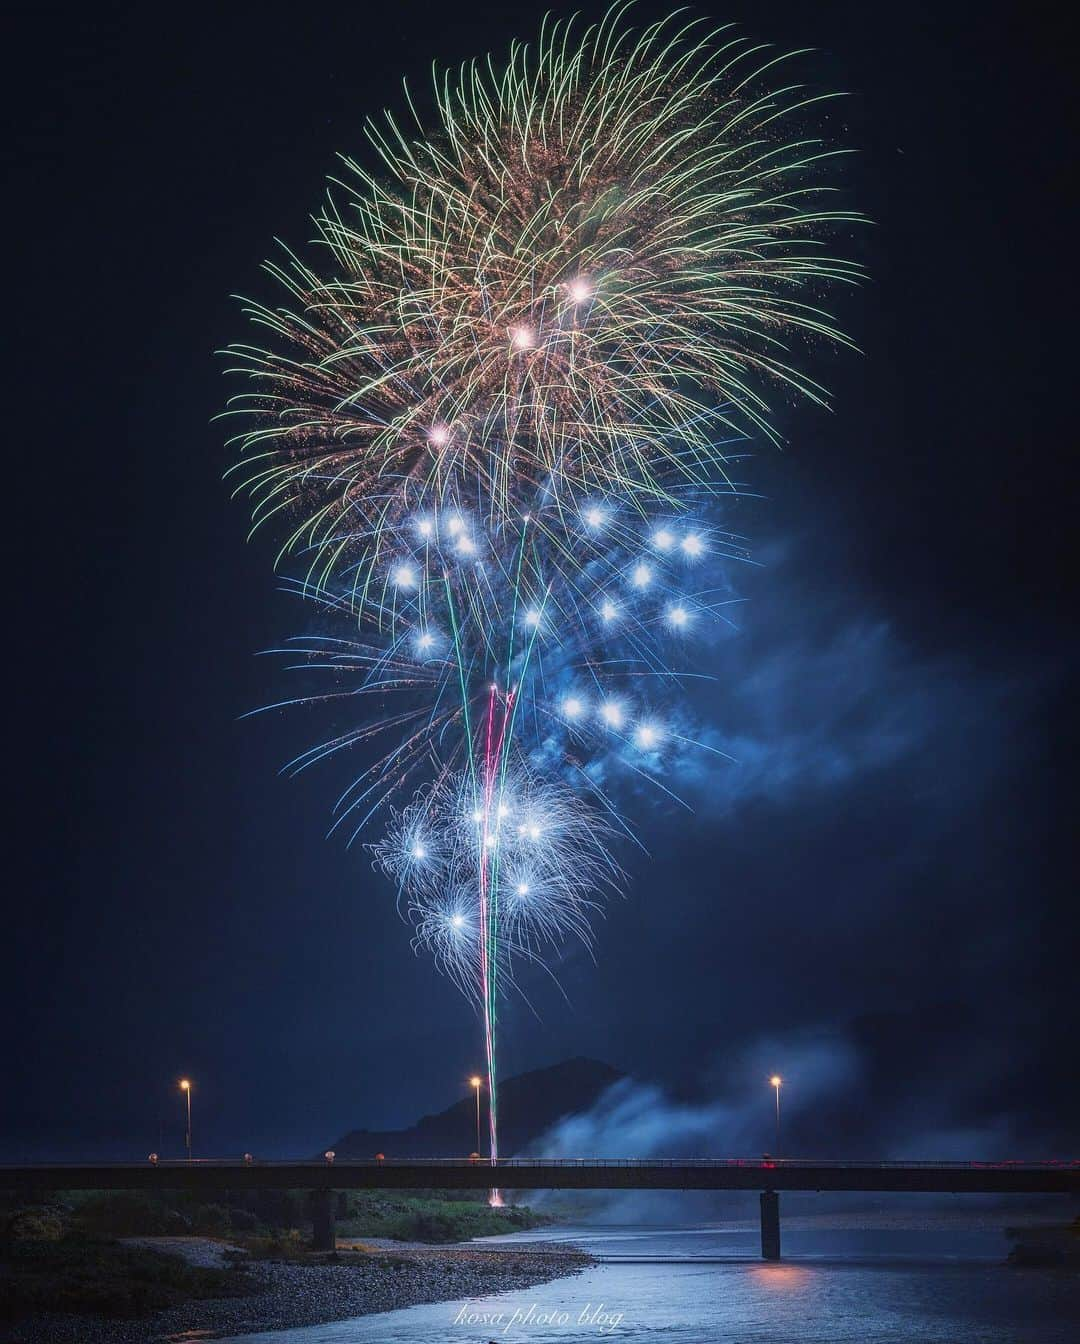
[476, 1083]
[775, 1082]
[185, 1087]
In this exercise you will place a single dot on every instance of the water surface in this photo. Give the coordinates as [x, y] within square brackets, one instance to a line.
[694, 1285]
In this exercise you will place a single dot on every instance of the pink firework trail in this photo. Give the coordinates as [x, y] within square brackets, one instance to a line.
[488, 900]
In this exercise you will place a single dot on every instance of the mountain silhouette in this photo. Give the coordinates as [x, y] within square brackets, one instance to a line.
[529, 1104]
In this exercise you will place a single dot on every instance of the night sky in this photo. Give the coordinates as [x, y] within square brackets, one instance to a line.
[877, 900]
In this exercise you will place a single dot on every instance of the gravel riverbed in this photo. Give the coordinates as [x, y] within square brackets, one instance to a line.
[294, 1294]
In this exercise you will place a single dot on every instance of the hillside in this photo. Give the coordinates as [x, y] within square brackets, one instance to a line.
[529, 1104]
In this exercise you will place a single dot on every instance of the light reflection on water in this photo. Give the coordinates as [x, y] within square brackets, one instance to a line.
[698, 1285]
[780, 1278]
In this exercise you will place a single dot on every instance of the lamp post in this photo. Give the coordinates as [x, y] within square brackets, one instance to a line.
[475, 1083]
[775, 1082]
[185, 1087]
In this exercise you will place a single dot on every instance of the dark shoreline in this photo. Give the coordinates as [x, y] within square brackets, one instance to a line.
[293, 1295]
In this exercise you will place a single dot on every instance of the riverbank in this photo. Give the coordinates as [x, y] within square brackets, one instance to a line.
[355, 1282]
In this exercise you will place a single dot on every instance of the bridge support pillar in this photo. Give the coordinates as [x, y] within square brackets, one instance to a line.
[770, 1225]
[323, 1214]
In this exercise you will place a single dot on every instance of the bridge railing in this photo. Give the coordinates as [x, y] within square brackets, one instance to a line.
[756, 1163]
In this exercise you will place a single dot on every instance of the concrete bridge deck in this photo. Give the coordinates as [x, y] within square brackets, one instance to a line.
[770, 1176]
[587, 1173]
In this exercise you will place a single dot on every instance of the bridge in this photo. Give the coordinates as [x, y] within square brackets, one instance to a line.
[768, 1175]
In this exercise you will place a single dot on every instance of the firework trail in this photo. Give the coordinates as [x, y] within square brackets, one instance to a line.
[509, 861]
[483, 417]
[576, 674]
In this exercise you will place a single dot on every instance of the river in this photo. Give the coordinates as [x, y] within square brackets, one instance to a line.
[692, 1285]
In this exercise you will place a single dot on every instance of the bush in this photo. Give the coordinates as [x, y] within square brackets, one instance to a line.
[286, 1244]
[105, 1278]
[212, 1220]
[434, 1227]
[35, 1224]
[281, 1208]
[124, 1213]
[413, 1217]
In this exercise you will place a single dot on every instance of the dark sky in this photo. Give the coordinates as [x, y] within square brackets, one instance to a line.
[885, 878]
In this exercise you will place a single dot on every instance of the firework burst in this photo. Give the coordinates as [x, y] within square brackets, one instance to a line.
[584, 626]
[484, 416]
[588, 275]
[547, 861]
[495, 870]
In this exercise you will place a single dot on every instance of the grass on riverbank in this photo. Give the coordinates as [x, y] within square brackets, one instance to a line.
[430, 1218]
[105, 1278]
[275, 1219]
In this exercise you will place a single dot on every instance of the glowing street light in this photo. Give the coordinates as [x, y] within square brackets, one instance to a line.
[185, 1087]
[775, 1082]
[476, 1083]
